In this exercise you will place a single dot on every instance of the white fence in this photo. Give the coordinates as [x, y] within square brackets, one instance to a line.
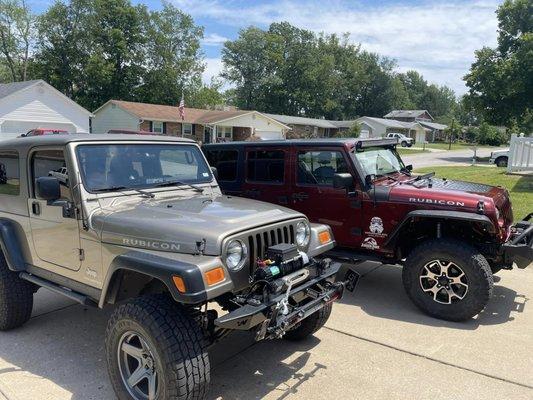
[520, 154]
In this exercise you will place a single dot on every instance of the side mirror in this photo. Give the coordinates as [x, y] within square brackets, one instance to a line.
[343, 181]
[47, 188]
[214, 171]
[369, 179]
[409, 167]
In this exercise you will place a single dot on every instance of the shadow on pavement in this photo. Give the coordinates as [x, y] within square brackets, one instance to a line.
[64, 351]
[380, 293]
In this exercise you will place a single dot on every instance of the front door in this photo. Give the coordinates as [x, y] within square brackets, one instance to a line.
[267, 175]
[314, 195]
[56, 236]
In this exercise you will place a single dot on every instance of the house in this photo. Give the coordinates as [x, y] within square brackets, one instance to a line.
[379, 127]
[424, 118]
[303, 127]
[206, 126]
[36, 104]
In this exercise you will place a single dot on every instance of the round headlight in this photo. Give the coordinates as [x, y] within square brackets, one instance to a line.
[236, 255]
[303, 233]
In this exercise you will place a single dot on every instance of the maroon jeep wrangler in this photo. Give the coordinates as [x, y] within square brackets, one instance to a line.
[450, 236]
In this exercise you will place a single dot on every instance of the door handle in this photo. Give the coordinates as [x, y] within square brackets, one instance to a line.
[36, 208]
[300, 196]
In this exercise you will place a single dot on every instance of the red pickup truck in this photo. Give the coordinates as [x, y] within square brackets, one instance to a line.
[450, 236]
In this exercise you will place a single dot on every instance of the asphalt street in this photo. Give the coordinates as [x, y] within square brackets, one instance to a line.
[376, 345]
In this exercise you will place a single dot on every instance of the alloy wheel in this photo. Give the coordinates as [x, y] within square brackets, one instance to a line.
[137, 366]
[444, 281]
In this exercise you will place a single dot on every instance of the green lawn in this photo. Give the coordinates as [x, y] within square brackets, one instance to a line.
[9, 188]
[520, 187]
[407, 151]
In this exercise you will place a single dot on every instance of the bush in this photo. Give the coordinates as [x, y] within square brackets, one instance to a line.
[490, 135]
[353, 132]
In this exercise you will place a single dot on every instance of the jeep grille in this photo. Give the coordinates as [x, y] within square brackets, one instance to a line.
[258, 242]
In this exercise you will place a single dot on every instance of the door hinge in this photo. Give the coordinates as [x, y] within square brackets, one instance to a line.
[81, 254]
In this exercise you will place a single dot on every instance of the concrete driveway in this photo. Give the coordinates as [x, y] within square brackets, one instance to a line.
[457, 157]
[376, 345]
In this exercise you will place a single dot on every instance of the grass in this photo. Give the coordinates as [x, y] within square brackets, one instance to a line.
[520, 187]
[455, 146]
[10, 189]
[407, 151]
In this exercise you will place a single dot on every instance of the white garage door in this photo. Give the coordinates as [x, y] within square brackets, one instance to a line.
[269, 135]
[18, 127]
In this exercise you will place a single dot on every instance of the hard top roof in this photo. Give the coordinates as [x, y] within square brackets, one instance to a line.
[25, 143]
[350, 142]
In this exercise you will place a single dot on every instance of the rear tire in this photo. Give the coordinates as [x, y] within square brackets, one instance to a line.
[310, 325]
[16, 298]
[404, 144]
[461, 293]
[152, 338]
[501, 162]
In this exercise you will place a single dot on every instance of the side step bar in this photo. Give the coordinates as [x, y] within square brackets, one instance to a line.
[78, 297]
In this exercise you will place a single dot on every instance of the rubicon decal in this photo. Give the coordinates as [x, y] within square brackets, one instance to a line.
[151, 244]
[436, 201]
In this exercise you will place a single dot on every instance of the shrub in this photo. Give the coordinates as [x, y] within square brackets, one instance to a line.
[490, 135]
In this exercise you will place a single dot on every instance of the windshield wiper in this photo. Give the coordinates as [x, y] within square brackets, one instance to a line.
[180, 183]
[122, 189]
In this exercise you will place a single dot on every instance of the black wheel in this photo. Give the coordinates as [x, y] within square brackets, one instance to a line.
[309, 325]
[16, 298]
[155, 350]
[404, 144]
[501, 162]
[448, 279]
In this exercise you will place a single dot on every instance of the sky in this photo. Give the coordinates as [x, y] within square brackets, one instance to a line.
[436, 38]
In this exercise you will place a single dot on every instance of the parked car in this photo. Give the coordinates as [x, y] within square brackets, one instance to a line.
[145, 226]
[402, 139]
[499, 157]
[61, 174]
[45, 132]
[450, 236]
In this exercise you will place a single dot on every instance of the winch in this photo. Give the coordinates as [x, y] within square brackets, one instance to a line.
[280, 260]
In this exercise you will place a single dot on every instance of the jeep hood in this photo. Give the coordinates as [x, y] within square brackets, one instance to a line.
[180, 224]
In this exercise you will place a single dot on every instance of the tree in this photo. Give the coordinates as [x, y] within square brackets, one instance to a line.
[500, 80]
[173, 58]
[205, 96]
[16, 37]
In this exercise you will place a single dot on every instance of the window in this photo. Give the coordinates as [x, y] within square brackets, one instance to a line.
[379, 161]
[9, 173]
[266, 166]
[186, 129]
[129, 166]
[318, 167]
[225, 161]
[157, 126]
[224, 133]
[51, 163]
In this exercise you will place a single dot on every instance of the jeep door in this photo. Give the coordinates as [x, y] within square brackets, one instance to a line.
[228, 162]
[313, 193]
[56, 235]
[267, 175]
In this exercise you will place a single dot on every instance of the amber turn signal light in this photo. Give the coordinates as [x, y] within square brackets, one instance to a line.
[214, 276]
[179, 283]
[324, 237]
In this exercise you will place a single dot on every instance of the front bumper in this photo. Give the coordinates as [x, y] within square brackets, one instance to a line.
[519, 247]
[267, 317]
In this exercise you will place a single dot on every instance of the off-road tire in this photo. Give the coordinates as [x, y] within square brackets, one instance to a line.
[178, 343]
[16, 298]
[501, 162]
[474, 265]
[310, 325]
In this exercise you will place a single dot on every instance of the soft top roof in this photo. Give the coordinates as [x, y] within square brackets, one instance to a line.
[345, 142]
[25, 143]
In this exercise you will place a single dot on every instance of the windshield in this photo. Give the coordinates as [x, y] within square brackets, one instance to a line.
[135, 166]
[379, 161]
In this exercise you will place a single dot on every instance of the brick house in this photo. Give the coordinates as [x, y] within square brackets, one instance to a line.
[206, 126]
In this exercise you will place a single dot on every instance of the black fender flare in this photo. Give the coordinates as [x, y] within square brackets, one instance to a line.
[160, 268]
[437, 214]
[11, 245]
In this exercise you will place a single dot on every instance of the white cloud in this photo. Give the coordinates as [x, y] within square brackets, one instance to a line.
[436, 38]
[213, 68]
[214, 39]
